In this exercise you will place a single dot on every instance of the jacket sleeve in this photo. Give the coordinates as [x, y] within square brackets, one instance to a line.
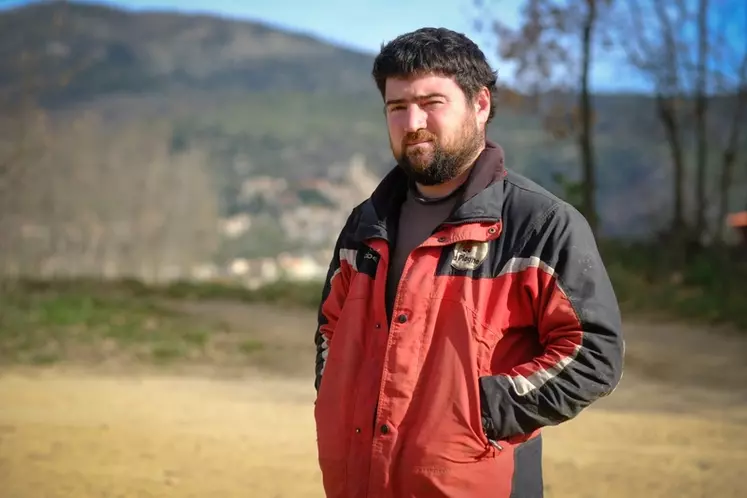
[332, 299]
[579, 325]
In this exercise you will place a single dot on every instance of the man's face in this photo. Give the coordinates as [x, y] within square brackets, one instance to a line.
[433, 130]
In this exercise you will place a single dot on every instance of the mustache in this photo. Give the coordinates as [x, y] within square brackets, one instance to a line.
[418, 136]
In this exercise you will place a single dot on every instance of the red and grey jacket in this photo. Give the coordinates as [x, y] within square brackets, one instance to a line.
[504, 322]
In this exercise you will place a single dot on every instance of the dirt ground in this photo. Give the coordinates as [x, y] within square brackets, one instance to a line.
[676, 426]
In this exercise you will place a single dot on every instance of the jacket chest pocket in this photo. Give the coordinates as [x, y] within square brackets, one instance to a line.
[485, 339]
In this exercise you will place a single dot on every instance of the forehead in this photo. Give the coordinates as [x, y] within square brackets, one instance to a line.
[417, 86]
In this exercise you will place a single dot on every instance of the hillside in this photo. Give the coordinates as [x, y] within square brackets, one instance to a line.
[115, 50]
[261, 101]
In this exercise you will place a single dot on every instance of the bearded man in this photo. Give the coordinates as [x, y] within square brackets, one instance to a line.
[465, 308]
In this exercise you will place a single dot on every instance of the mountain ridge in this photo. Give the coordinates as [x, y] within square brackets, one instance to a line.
[118, 50]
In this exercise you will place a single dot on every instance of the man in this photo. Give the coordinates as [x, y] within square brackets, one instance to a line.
[465, 307]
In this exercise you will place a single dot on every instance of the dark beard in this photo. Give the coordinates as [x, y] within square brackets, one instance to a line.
[445, 164]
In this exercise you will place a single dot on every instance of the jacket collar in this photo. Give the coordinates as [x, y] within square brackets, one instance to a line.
[481, 199]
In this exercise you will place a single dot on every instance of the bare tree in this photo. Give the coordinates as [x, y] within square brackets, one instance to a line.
[730, 77]
[585, 138]
[553, 50]
[109, 201]
[79, 196]
[24, 121]
[655, 52]
[37, 70]
[701, 105]
[670, 44]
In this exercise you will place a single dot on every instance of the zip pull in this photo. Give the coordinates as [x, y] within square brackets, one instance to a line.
[495, 444]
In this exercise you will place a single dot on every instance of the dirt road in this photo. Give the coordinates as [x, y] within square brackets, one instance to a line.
[676, 427]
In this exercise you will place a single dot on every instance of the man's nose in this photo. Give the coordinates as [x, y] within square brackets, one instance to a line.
[416, 119]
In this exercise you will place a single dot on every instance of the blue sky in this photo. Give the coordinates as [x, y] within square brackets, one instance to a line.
[365, 24]
[362, 24]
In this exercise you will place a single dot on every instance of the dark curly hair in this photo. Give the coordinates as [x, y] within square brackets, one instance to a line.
[437, 51]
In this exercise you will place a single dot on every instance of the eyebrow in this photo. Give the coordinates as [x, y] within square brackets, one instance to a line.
[416, 98]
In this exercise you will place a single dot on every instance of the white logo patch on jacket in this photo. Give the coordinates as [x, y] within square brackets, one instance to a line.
[468, 255]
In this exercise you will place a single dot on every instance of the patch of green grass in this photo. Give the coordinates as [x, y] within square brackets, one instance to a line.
[304, 294]
[250, 346]
[44, 358]
[84, 297]
[164, 353]
[709, 289]
[34, 315]
[43, 322]
[197, 338]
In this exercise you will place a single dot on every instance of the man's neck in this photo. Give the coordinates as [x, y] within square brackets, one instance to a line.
[446, 188]
[443, 189]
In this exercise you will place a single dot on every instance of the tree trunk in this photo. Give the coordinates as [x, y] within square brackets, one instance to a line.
[586, 136]
[700, 120]
[667, 114]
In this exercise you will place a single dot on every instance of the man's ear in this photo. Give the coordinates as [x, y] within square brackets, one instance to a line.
[482, 103]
